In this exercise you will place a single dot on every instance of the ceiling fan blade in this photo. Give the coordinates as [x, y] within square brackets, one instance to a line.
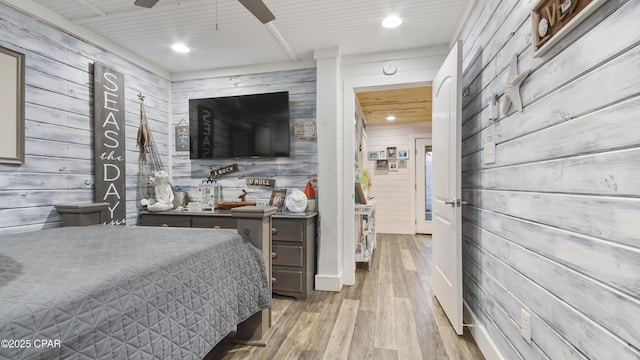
[258, 9]
[145, 3]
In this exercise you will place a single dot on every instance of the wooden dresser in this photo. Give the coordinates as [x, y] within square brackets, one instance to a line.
[293, 243]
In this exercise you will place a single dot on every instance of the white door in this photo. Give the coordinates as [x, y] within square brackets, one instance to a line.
[424, 181]
[447, 213]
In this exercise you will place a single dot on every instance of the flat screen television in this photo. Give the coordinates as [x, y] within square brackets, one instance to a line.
[246, 126]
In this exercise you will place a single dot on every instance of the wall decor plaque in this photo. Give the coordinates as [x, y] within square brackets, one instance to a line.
[109, 142]
[216, 173]
[261, 182]
[182, 136]
[304, 130]
[551, 20]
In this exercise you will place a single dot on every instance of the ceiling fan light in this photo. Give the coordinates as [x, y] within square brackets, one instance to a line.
[180, 48]
[392, 21]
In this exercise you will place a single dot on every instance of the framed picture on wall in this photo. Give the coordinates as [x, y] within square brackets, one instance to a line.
[382, 164]
[402, 163]
[393, 165]
[403, 154]
[392, 152]
[382, 154]
[372, 155]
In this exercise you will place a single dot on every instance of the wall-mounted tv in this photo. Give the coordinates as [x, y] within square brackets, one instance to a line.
[245, 126]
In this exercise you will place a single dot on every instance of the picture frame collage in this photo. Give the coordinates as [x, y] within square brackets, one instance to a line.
[390, 159]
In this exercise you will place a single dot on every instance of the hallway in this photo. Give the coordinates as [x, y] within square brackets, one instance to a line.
[389, 314]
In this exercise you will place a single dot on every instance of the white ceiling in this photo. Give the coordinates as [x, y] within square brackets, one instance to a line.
[241, 40]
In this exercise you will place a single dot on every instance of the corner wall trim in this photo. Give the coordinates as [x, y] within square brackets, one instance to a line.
[329, 283]
[480, 335]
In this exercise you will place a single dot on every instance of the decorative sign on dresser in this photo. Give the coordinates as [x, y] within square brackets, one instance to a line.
[293, 243]
[109, 143]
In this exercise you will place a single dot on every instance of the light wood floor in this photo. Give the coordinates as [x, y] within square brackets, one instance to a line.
[389, 314]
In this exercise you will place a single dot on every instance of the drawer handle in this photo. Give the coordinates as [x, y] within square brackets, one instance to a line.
[217, 227]
[165, 225]
[274, 231]
[274, 255]
[273, 280]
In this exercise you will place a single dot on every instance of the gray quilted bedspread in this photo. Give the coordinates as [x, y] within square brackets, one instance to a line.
[115, 292]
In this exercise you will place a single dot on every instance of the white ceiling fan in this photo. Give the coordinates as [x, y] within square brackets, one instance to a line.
[256, 7]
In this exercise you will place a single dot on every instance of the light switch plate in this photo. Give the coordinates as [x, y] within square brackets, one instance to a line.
[489, 153]
[525, 325]
[493, 107]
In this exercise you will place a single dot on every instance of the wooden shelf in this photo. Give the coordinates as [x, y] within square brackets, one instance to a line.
[366, 232]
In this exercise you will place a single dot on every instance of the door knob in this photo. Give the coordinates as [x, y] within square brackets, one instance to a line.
[451, 202]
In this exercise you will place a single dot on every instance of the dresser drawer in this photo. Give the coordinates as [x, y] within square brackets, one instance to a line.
[166, 220]
[214, 222]
[287, 280]
[287, 230]
[287, 255]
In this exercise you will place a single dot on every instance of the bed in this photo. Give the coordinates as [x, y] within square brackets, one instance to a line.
[116, 292]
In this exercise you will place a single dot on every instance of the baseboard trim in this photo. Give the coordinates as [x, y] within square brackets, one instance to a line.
[329, 283]
[481, 336]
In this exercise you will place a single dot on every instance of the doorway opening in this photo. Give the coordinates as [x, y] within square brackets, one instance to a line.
[352, 85]
[423, 181]
[389, 122]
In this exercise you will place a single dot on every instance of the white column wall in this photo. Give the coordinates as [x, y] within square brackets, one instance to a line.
[330, 171]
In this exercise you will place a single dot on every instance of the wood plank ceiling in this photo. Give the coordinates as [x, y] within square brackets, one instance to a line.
[223, 34]
[408, 105]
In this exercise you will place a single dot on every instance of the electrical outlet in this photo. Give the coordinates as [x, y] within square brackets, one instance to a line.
[525, 325]
[489, 153]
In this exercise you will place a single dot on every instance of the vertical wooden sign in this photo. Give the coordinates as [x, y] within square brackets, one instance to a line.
[109, 142]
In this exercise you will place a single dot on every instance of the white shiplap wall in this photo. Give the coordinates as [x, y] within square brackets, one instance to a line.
[58, 165]
[553, 226]
[394, 191]
[291, 172]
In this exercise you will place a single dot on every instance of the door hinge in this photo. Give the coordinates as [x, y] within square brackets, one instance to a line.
[459, 202]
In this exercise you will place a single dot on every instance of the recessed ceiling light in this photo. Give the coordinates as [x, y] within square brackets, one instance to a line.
[391, 21]
[180, 47]
[391, 118]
